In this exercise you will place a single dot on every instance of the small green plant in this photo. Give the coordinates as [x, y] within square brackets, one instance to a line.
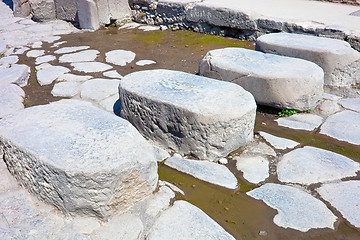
[287, 112]
[308, 111]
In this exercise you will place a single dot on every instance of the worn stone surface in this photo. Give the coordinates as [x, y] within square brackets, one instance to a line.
[302, 121]
[329, 107]
[160, 153]
[257, 147]
[43, 10]
[9, 60]
[88, 14]
[188, 114]
[70, 49]
[11, 99]
[98, 89]
[273, 80]
[18, 74]
[277, 142]
[344, 196]
[296, 208]
[255, 169]
[204, 170]
[45, 59]
[66, 165]
[47, 75]
[69, 77]
[120, 57]
[65, 89]
[190, 223]
[66, 10]
[83, 56]
[343, 126]
[3, 48]
[110, 104]
[310, 165]
[112, 74]
[338, 60]
[35, 53]
[351, 104]
[90, 67]
[7, 181]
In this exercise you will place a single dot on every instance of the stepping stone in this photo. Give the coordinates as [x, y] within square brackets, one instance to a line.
[149, 28]
[90, 67]
[45, 59]
[190, 223]
[69, 49]
[257, 147]
[57, 44]
[343, 126]
[9, 60]
[277, 142]
[47, 75]
[18, 74]
[273, 80]
[204, 170]
[344, 196]
[69, 77]
[120, 57]
[130, 25]
[188, 114]
[339, 61]
[304, 121]
[85, 161]
[51, 39]
[351, 104]
[255, 169]
[296, 208]
[98, 89]
[145, 62]
[310, 165]
[83, 56]
[112, 74]
[11, 99]
[65, 89]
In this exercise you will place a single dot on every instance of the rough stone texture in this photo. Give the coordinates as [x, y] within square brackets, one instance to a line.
[351, 104]
[339, 61]
[7, 181]
[18, 74]
[11, 99]
[255, 169]
[310, 165]
[343, 126]
[190, 223]
[83, 56]
[113, 9]
[89, 67]
[273, 80]
[120, 57]
[303, 121]
[296, 208]
[88, 14]
[257, 147]
[71, 49]
[84, 161]
[98, 89]
[207, 171]
[344, 196]
[47, 75]
[277, 142]
[21, 8]
[188, 114]
[126, 226]
[65, 89]
[43, 10]
[66, 10]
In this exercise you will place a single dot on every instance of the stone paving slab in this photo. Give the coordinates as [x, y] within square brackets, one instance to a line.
[18, 74]
[85, 161]
[120, 57]
[302, 121]
[255, 169]
[11, 99]
[188, 114]
[277, 142]
[351, 104]
[90, 67]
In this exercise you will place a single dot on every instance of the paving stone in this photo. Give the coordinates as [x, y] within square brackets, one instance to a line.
[296, 208]
[51, 39]
[130, 25]
[120, 57]
[181, 112]
[112, 74]
[160, 153]
[66, 89]
[149, 28]
[35, 53]
[66, 165]
[57, 44]
[45, 59]
[18, 74]
[204, 170]
[98, 89]
[70, 49]
[273, 80]
[302, 121]
[190, 223]
[344, 196]
[310, 165]
[47, 75]
[110, 103]
[277, 142]
[329, 107]
[339, 61]
[83, 56]
[255, 169]
[37, 44]
[9, 60]
[126, 226]
[11, 99]
[69, 77]
[90, 67]
[145, 62]
[20, 50]
[351, 104]
[3, 48]
[343, 126]
[257, 147]
[172, 186]
[328, 96]
[85, 225]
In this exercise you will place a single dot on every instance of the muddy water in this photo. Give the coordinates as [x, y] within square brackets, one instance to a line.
[240, 215]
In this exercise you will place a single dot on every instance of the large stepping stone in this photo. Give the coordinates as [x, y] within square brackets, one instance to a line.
[18, 74]
[313, 165]
[297, 209]
[273, 80]
[185, 221]
[339, 61]
[81, 159]
[188, 114]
